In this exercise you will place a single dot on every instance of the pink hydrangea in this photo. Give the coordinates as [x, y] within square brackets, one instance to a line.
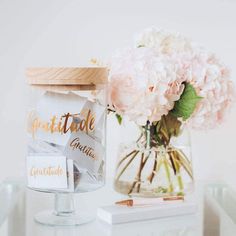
[147, 80]
[211, 80]
[142, 85]
[163, 41]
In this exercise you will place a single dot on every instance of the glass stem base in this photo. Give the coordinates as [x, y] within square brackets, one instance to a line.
[64, 213]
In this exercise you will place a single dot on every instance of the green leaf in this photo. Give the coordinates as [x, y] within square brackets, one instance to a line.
[187, 103]
[119, 118]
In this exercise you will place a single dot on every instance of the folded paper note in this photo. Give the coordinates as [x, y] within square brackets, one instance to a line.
[48, 172]
[40, 146]
[53, 119]
[85, 150]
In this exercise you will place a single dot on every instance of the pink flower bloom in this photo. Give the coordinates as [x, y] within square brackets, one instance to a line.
[124, 92]
[147, 80]
[142, 85]
[211, 79]
[163, 41]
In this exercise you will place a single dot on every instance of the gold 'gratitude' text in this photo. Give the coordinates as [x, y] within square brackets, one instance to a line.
[47, 171]
[88, 151]
[63, 124]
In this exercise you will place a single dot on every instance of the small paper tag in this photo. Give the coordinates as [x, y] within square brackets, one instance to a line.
[96, 109]
[98, 112]
[86, 151]
[47, 172]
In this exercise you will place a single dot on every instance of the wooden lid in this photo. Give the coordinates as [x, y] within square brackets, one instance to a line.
[67, 76]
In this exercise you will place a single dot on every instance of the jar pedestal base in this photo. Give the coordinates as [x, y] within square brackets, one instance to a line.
[64, 213]
[51, 219]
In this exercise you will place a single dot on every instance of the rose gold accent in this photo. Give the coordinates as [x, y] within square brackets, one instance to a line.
[129, 202]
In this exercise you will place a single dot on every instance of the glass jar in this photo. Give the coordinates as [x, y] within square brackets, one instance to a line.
[66, 130]
[154, 160]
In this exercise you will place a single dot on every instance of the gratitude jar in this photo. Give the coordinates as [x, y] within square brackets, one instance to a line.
[66, 131]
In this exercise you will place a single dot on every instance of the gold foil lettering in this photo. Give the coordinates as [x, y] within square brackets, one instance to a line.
[47, 171]
[63, 124]
[88, 151]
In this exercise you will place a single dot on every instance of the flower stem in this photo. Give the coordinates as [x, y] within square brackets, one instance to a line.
[153, 169]
[139, 173]
[124, 158]
[180, 182]
[176, 168]
[138, 177]
[125, 167]
[148, 138]
[184, 162]
[168, 175]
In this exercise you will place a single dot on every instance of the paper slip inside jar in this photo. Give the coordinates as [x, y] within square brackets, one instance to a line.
[37, 146]
[56, 112]
[47, 172]
[53, 111]
[96, 109]
[86, 151]
[98, 113]
[39, 177]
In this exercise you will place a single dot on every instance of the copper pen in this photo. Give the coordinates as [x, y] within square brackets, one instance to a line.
[149, 201]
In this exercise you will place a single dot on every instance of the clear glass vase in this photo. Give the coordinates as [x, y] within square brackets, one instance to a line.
[154, 160]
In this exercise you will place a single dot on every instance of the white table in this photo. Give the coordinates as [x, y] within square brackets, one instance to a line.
[216, 215]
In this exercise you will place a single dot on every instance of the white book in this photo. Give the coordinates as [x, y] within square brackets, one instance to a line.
[116, 214]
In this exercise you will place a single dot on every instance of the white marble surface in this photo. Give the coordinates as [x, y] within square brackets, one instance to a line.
[215, 216]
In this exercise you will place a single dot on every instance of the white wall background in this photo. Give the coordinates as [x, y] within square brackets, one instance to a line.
[69, 33]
